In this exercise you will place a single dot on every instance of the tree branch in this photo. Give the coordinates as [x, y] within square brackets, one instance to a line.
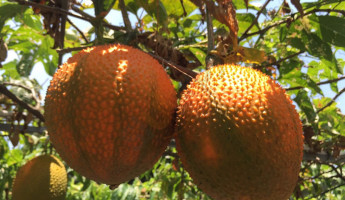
[287, 57]
[290, 19]
[323, 157]
[319, 83]
[84, 17]
[25, 129]
[68, 50]
[326, 191]
[332, 101]
[190, 73]
[32, 90]
[79, 31]
[210, 37]
[21, 103]
[125, 17]
[255, 20]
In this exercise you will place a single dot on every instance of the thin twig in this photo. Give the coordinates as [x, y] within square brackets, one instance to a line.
[319, 83]
[255, 20]
[21, 128]
[49, 8]
[79, 31]
[210, 36]
[18, 85]
[32, 90]
[68, 50]
[326, 191]
[21, 103]
[323, 157]
[190, 73]
[290, 19]
[86, 17]
[125, 17]
[332, 101]
[285, 58]
[339, 174]
[92, 19]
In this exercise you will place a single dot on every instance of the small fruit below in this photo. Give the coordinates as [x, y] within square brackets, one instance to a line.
[41, 178]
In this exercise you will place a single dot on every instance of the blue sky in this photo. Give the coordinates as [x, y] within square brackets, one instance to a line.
[116, 19]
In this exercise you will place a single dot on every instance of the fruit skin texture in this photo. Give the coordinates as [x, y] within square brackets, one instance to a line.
[41, 178]
[239, 136]
[109, 112]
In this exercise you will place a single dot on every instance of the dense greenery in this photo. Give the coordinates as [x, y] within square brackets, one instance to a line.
[299, 44]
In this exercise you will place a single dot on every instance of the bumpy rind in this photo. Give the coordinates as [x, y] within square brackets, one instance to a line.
[239, 135]
[41, 178]
[109, 112]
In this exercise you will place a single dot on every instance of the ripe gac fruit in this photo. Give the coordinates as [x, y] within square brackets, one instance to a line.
[109, 112]
[239, 135]
[41, 178]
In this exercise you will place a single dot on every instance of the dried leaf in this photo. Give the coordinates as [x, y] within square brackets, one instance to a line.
[226, 13]
[285, 8]
[298, 6]
[14, 137]
[240, 54]
[251, 55]
[163, 47]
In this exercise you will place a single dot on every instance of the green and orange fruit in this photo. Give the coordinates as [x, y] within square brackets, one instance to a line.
[239, 135]
[41, 178]
[109, 112]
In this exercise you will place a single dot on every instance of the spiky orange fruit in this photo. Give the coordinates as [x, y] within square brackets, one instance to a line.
[41, 178]
[239, 136]
[109, 112]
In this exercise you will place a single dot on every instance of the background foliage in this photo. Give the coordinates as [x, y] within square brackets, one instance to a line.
[299, 44]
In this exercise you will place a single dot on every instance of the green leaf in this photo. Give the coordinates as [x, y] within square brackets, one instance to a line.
[50, 67]
[322, 4]
[132, 6]
[174, 8]
[3, 147]
[199, 54]
[241, 4]
[14, 156]
[333, 30]
[303, 101]
[297, 43]
[297, 78]
[155, 8]
[102, 7]
[32, 20]
[11, 70]
[283, 33]
[289, 65]
[244, 21]
[26, 64]
[316, 46]
[8, 11]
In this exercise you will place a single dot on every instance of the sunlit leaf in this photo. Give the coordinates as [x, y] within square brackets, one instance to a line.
[316, 46]
[8, 11]
[102, 7]
[303, 101]
[333, 29]
[14, 156]
[201, 55]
